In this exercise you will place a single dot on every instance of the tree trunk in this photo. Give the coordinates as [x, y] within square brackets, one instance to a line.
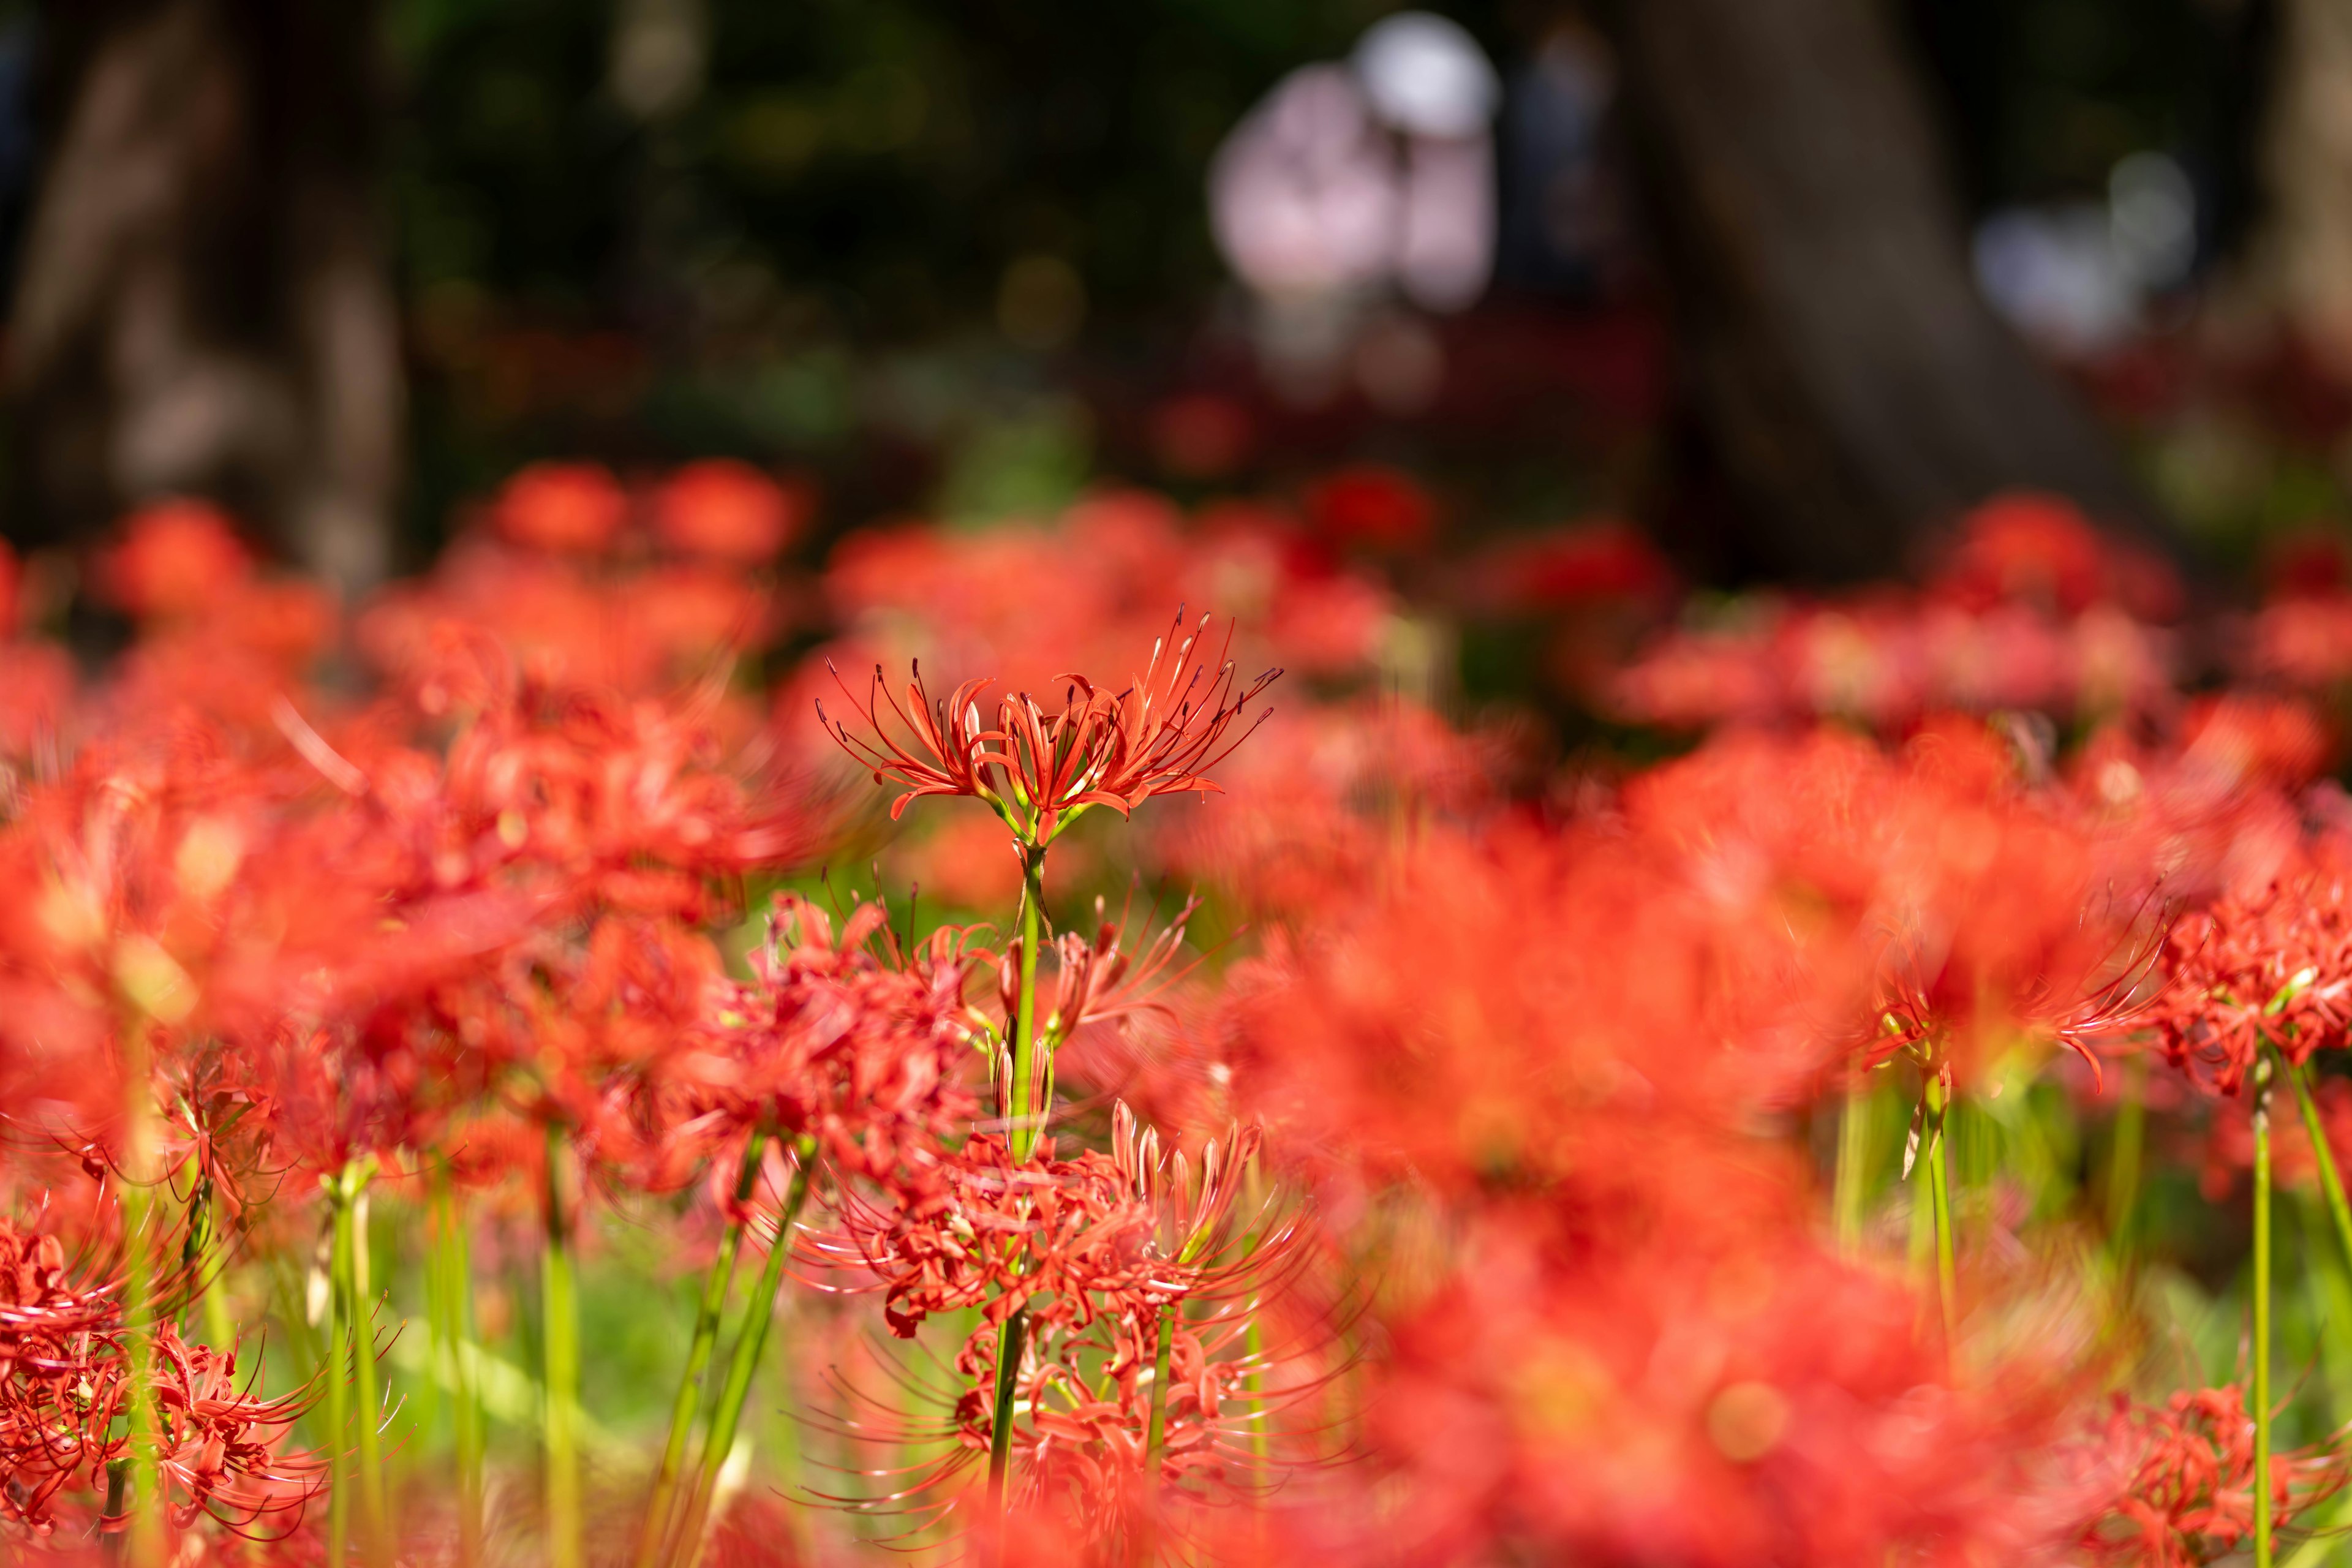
[203, 306]
[1853, 391]
[2302, 260]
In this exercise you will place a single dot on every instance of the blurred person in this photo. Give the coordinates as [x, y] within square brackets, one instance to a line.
[1564, 228]
[1349, 184]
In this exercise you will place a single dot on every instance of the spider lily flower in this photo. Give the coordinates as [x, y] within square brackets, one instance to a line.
[1038, 768]
[1104, 978]
[2186, 1492]
[1191, 1217]
[65, 1387]
[2274, 963]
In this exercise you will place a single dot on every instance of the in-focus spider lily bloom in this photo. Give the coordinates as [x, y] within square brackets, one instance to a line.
[1146, 1281]
[65, 1397]
[2186, 1480]
[2272, 964]
[1039, 769]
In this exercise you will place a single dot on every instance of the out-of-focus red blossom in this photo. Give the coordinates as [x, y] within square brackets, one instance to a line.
[1372, 505]
[1636, 1351]
[2226, 1150]
[2309, 564]
[850, 1040]
[727, 510]
[176, 558]
[644, 631]
[1201, 436]
[1116, 562]
[2030, 548]
[2185, 1471]
[2035, 610]
[565, 507]
[1605, 561]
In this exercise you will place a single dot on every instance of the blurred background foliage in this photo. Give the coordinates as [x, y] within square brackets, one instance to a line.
[950, 255]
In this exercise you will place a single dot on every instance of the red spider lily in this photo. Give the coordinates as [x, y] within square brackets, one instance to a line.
[2187, 1469]
[851, 1039]
[2274, 963]
[999, 1232]
[1159, 736]
[219, 1444]
[1087, 1395]
[64, 1394]
[1106, 979]
[1108, 1254]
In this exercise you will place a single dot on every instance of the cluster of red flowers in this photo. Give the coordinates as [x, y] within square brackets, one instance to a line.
[1514, 1186]
[66, 1387]
[2033, 610]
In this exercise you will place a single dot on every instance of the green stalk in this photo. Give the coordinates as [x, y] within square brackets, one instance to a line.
[452, 1261]
[1023, 1126]
[2261, 1398]
[2125, 1152]
[339, 1395]
[146, 1534]
[561, 1347]
[2331, 1180]
[1011, 1342]
[1155, 1435]
[358, 1317]
[1852, 1154]
[758, 1317]
[1254, 1354]
[140, 1173]
[714, 1286]
[1940, 1192]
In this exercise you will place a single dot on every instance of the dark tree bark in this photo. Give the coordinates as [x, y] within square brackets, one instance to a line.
[1854, 392]
[202, 305]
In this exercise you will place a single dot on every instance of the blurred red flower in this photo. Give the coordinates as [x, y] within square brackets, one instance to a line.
[176, 558]
[727, 510]
[567, 507]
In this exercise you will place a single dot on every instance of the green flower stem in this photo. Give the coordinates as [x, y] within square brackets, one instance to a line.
[452, 1269]
[342, 1464]
[1852, 1154]
[1023, 1124]
[352, 1257]
[1254, 1352]
[561, 1347]
[758, 1317]
[1155, 1435]
[2331, 1180]
[1939, 1191]
[2259, 1399]
[715, 1286]
[1010, 1344]
[2124, 1154]
[140, 1175]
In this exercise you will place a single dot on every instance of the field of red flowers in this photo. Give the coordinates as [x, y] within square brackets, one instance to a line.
[648, 1045]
